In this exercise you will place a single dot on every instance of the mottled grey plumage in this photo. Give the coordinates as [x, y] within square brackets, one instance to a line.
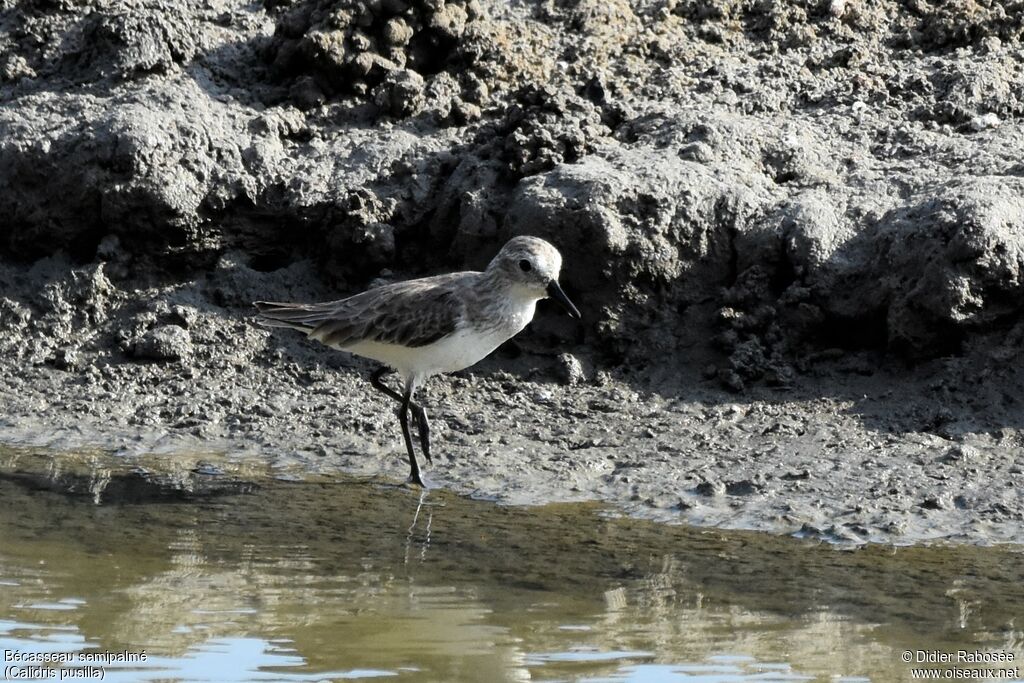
[434, 324]
[413, 313]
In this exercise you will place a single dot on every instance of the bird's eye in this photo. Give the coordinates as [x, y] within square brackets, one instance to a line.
[525, 266]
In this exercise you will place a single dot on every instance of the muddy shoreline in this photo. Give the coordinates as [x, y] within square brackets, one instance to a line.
[795, 232]
[851, 467]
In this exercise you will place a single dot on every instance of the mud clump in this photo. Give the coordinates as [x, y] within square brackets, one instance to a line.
[381, 51]
[136, 40]
[401, 93]
[570, 369]
[540, 129]
[168, 342]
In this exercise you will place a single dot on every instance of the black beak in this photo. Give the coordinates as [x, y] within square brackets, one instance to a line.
[556, 293]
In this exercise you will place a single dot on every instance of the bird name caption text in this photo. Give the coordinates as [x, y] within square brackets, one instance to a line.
[64, 666]
[963, 664]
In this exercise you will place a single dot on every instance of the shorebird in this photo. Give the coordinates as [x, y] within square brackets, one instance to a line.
[432, 325]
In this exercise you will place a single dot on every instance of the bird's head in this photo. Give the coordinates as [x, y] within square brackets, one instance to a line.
[532, 264]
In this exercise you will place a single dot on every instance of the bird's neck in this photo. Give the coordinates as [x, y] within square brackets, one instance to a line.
[502, 288]
[507, 301]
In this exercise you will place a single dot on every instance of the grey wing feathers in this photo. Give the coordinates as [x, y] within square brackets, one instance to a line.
[295, 316]
[414, 313]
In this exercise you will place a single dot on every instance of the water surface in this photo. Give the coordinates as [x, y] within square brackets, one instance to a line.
[323, 581]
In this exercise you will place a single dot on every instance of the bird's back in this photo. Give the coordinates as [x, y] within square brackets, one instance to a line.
[412, 314]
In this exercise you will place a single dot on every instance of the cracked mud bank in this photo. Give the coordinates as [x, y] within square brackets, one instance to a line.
[796, 234]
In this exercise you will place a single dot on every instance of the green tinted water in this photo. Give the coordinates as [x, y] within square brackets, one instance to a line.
[312, 581]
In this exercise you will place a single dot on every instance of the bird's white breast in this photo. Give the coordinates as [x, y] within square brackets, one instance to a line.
[469, 344]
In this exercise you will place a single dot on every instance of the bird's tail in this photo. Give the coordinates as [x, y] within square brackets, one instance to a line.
[302, 317]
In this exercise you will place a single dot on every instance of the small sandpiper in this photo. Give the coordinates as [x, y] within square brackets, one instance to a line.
[434, 324]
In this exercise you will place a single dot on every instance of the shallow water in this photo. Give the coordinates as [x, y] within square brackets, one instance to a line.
[314, 581]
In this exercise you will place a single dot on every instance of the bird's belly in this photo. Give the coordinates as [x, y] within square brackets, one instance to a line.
[454, 352]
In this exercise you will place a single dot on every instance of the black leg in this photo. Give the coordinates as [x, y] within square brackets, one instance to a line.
[403, 419]
[375, 380]
[424, 425]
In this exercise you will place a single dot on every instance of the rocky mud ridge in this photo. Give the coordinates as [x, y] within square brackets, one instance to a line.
[795, 230]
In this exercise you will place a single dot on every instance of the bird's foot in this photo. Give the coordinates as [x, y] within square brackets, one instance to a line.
[415, 479]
